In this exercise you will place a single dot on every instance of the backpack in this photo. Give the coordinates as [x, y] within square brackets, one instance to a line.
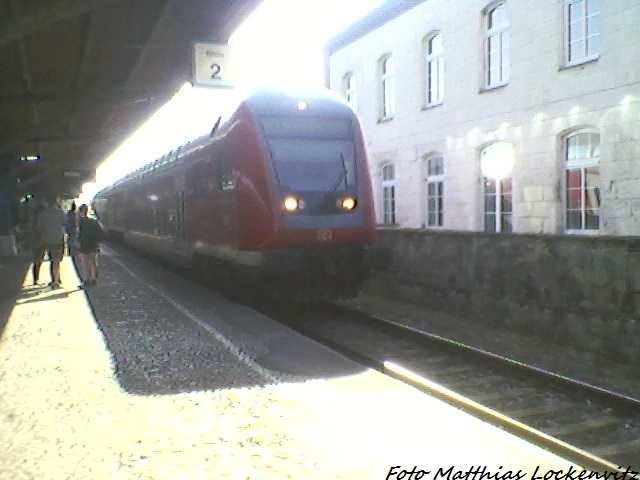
[91, 232]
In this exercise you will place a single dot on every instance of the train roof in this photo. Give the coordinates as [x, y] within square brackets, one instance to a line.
[160, 162]
[278, 99]
[266, 100]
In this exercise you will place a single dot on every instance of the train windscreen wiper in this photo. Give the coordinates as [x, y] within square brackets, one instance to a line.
[343, 177]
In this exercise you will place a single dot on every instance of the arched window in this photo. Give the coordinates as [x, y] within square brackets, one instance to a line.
[497, 46]
[387, 87]
[349, 83]
[582, 181]
[496, 163]
[435, 190]
[388, 194]
[434, 69]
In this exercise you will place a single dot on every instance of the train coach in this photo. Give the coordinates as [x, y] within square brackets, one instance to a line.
[276, 200]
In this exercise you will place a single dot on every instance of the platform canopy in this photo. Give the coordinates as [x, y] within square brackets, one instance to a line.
[77, 77]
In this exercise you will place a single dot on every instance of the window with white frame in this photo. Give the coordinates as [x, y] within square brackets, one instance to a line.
[498, 209]
[435, 191]
[497, 46]
[387, 87]
[582, 181]
[434, 69]
[582, 31]
[496, 163]
[350, 90]
[388, 194]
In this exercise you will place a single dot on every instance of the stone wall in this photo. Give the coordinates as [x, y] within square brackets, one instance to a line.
[579, 290]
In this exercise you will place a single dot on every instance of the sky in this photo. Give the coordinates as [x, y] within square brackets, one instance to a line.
[281, 42]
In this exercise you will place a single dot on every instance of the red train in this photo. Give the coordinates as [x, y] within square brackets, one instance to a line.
[276, 200]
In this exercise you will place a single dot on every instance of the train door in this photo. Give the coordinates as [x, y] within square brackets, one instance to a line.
[227, 234]
[181, 230]
[197, 203]
[180, 234]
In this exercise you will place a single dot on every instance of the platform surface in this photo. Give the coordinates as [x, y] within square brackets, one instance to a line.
[63, 415]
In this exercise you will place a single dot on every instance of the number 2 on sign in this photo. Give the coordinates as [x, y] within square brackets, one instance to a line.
[216, 69]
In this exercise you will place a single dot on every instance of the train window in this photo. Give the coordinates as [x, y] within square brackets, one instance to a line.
[314, 164]
[200, 179]
[226, 178]
[299, 126]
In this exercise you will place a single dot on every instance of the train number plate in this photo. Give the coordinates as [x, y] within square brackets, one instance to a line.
[324, 234]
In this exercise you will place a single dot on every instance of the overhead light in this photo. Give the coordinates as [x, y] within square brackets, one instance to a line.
[30, 158]
[497, 161]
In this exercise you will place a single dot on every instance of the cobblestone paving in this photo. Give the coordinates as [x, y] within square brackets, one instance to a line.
[63, 415]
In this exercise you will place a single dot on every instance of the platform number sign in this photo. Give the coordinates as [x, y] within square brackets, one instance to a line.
[212, 65]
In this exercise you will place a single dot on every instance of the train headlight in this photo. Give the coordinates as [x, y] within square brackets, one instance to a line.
[291, 203]
[347, 203]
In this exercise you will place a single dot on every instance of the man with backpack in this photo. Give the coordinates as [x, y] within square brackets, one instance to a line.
[90, 234]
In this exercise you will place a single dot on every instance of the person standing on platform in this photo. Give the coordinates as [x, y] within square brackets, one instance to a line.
[72, 230]
[90, 235]
[34, 241]
[51, 224]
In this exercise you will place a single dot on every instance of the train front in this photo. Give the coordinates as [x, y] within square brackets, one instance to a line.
[321, 191]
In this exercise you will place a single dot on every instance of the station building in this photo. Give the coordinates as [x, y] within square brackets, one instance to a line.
[508, 116]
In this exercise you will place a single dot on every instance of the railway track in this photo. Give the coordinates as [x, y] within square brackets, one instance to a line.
[593, 427]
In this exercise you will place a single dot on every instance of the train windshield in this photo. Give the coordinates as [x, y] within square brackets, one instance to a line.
[313, 154]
